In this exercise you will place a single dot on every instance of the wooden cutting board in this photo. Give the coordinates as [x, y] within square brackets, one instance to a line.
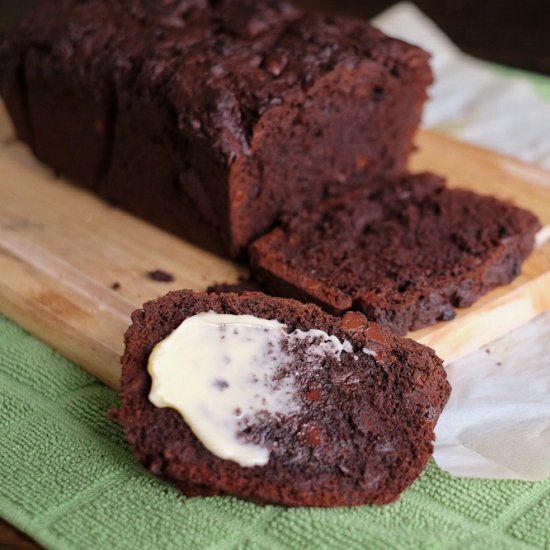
[62, 250]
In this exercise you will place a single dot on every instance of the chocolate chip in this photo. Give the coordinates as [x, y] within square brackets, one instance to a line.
[377, 93]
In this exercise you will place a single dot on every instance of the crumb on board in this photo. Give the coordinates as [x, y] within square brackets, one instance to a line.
[115, 285]
[161, 276]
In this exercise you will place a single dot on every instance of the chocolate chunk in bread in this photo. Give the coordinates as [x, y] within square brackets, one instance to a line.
[405, 255]
[211, 119]
[360, 429]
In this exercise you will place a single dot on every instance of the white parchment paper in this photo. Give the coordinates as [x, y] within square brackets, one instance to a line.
[497, 422]
[471, 99]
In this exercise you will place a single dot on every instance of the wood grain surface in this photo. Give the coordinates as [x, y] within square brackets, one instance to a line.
[73, 268]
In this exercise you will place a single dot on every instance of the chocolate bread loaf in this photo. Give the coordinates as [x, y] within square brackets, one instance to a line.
[361, 404]
[405, 255]
[211, 118]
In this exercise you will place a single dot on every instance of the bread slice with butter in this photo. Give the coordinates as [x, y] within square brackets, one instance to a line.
[275, 401]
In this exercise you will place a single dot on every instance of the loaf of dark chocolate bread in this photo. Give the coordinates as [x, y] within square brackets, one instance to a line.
[405, 255]
[360, 429]
[211, 118]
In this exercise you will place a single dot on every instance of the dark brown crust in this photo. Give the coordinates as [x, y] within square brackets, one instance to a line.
[239, 111]
[364, 436]
[405, 255]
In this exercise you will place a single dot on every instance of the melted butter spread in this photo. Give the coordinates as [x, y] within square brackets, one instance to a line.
[221, 371]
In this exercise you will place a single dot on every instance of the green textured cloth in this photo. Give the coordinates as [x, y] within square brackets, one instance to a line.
[68, 479]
